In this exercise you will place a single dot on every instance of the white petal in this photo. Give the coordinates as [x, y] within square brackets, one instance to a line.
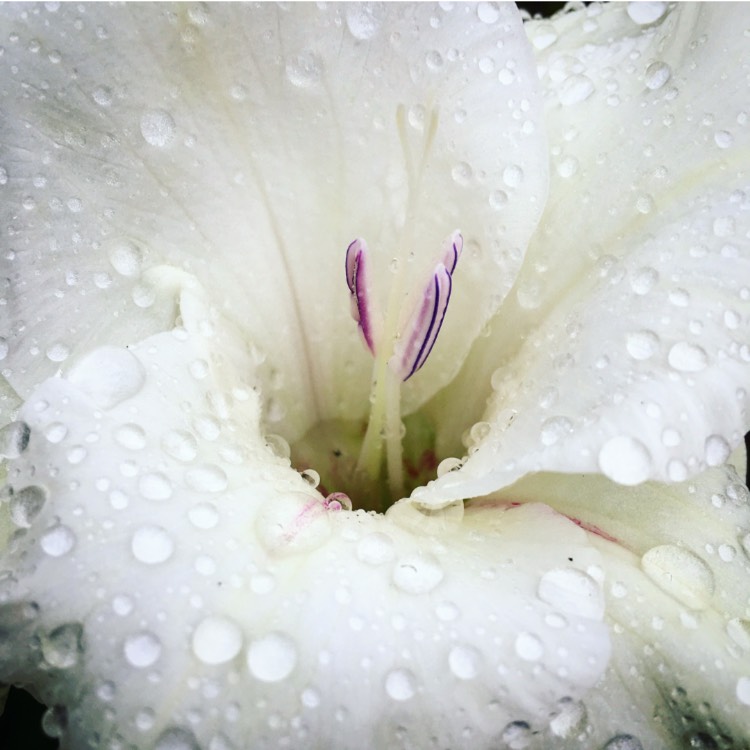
[249, 146]
[625, 347]
[676, 561]
[170, 606]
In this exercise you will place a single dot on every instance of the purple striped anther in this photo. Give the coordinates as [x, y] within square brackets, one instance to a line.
[423, 327]
[358, 281]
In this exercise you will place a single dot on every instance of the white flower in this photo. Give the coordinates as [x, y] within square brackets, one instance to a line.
[179, 187]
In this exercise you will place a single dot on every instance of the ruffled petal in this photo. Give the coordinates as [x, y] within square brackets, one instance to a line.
[249, 146]
[624, 348]
[172, 582]
[676, 561]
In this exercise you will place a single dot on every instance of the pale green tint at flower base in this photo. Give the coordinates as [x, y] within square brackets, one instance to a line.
[188, 394]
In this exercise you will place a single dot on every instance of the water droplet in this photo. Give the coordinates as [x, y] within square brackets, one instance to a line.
[513, 176]
[400, 684]
[464, 662]
[567, 167]
[58, 541]
[272, 658]
[529, 647]
[642, 345]
[739, 631]
[108, 376]
[125, 258]
[102, 95]
[62, 647]
[55, 432]
[14, 439]
[625, 460]
[157, 127]
[624, 741]
[554, 429]
[364, 19]
[180, 444]
[57, 352]
[206, 478]
[155, 486]
[26, 505]
[177, 739]
[718, 450]
[217, 640]
[417, 574]
[723, 138]
[644, 13]
[643, 280]
[376, 548]
[743, 691]
[569, 718]
[686, 357]
[142, 649]
[498, 199]
[575, 88]
[305, 70]
[681, 573]
[488, 12]
[517, 735]
[434, 60]
[151, 545]
[130, 436]
[573, 592]
[204, 516]
[461, 173]
[657, 74]
[644, 204]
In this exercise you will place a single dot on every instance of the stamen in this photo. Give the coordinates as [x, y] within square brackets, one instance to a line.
[358, 281]
[422, 329]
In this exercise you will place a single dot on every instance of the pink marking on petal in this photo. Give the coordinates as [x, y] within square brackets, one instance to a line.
[452, 249]
[352, 253]
[358, 281]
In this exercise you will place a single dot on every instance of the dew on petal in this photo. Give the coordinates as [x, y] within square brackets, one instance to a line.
[657, 74]
[417, 574]
[177, 739]
[204, 516]
[62, 647]
[56, 432]
[375, 548]
[573, 592]
[157, 127]
[717, 450]
[642, 345]
[206, 478]
[126, 258]
[130, 436]
[681, 573]
[400, 684]
[26, 504]
[743, 691]
[488, 12]
[305, 70]
[151, 545]
[686, 357]
[517, 735]
[364, 19]
[464, 662]
[529, 647]
[575, 89]
[216, 640]
[155, 486]
[180, 444]
[569, 718]
[272, 657]
[142, 649]
[644, 13]
[108, 375]
[58, 541]
[625, 460]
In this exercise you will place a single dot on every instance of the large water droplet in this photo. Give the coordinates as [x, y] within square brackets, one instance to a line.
[155, 486]
[717, 450]
[464, 662]
[142, 649]
[681, 573]
[400, 684]
[126, 258]
[217, 640]
[488, 12]
[569, 719]
[625, 460]
[529, 647]
[157, 127]
[417, 574]
[130, 436]
[177, 739]
[573, 592]
[62, 647]
[644, 13]
[151, 545]
[375, 548]
[58, 541]
[364, 19]
[272, 658]
[304, 70]
[180, 444]
[687, 357]
[108, 376]
[26, 504]
[657, 74]
[575, 88]
[642, 345]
